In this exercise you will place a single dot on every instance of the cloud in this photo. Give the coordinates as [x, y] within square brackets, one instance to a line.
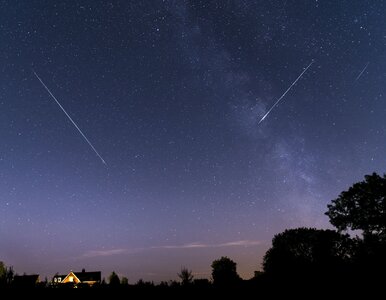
[110, 252]
[244, 243]
[184, 246]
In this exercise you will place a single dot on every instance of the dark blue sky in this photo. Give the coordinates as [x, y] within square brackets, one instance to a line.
[170, 94]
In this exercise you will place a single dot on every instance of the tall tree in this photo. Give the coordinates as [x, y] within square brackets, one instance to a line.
[362, 206]
[6, 274]
[302, 251]
[224, 272]
[9, 275]
[186, 276]
[3, 273]
[114, 280]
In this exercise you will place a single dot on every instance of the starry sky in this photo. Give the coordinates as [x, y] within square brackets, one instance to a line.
[170, 94]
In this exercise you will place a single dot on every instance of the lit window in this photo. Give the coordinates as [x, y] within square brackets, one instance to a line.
[59, 279]
[71, 279]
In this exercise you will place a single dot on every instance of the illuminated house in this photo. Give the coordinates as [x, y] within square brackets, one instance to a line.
[83, 277]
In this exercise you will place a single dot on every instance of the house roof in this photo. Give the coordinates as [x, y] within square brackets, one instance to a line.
[82, 276]
[88, 276]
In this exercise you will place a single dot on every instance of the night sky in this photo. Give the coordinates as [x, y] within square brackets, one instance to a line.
[170, 94]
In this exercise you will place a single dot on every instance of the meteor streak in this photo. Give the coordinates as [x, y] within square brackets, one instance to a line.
[282, 96]
[364, 69]
[68, 116]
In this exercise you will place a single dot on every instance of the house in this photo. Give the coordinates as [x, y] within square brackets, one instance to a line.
[26, 280]
[58, 278]
[75, 278]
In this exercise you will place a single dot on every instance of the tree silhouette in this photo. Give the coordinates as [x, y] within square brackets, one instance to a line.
[305, 251]
[186, 276]
[224, 272]
[114, 280]
[124, 281]
[10, 274]
[6, 275]
[3, 273]
[362, 206]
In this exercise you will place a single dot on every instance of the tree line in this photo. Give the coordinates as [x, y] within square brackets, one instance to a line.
[353, 253]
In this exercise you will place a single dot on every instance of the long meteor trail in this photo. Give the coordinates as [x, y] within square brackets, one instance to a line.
[282, 96]
[68, 116]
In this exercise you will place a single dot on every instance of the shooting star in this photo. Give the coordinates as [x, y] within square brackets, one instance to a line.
[68, 116]
[282, 96]
[360, 74]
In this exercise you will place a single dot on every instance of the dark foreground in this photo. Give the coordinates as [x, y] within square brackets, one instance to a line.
[263, 289]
